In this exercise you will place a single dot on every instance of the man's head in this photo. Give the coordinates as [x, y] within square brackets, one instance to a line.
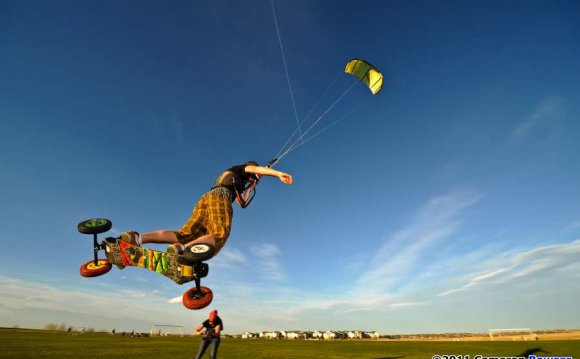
[213, 315]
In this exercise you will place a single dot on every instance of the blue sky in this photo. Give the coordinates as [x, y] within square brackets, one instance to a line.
[448, 202]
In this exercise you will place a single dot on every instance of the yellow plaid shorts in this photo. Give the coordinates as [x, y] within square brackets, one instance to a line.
[211, 215]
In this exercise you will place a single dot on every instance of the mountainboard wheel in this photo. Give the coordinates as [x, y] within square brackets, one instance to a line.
[94, 226]
[89, 269]
[194, 299]
[197, 253]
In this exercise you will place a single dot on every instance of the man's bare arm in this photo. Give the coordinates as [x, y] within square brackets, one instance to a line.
[267, 171]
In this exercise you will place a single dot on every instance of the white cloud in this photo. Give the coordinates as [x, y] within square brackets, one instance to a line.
[479, 278]
[88, 301]
[546, 112]
[487, 276]
[572, 227]
[229, 258]
[435, 221]
[268, 260]
[392, 264]
[175, 300]
[384, 291]
[529, 264]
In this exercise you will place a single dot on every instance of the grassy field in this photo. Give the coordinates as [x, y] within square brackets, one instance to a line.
[37, 344]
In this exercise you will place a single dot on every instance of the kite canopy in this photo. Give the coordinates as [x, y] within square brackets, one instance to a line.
[365, 72]
[369, 75]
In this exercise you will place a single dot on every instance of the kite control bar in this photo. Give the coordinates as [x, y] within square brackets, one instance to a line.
[272, 162]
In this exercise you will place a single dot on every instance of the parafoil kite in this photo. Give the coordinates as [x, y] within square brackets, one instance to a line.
[365, 72]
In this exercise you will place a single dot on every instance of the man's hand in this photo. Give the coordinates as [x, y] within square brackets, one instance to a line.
[285, 178]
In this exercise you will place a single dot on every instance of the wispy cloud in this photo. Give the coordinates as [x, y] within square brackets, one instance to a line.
[303, 305]
[573, 227]
[90, 302]
[547, 111]
[175, 300]
[229, 258]
[475, 281]
[395, 262]
[384, 306]
[399, 256]
[531, 264]
[268, 259]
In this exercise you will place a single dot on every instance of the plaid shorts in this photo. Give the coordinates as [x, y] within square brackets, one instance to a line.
[212, 215]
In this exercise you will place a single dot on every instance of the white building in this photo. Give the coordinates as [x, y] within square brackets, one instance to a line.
[333, 335]
[317, 335]
[292, 335]
[356, 334]
[271, 335]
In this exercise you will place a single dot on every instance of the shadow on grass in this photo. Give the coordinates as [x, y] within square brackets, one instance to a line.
[532, 351]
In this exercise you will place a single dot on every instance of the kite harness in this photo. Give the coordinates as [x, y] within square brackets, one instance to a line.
[245, 198]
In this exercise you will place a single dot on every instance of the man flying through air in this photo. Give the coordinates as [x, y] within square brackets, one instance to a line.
[211, 219]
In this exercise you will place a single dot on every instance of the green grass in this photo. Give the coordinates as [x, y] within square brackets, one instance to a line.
[38, 344]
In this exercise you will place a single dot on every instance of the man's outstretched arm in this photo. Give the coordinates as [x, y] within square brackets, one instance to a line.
[267, 171]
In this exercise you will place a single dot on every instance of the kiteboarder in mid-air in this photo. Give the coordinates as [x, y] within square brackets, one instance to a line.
[211, 219]
[210, 222]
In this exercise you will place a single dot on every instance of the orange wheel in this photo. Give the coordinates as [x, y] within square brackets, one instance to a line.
[90, 269]
[194, 299]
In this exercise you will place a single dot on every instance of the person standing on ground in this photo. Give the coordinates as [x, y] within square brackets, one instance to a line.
[210, 329]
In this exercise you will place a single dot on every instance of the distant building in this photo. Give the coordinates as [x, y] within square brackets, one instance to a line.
[303, 334]
[333, 335]
[317, 335]
[271, 335]
[292, 335]
[357, 334]
[248, 335]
